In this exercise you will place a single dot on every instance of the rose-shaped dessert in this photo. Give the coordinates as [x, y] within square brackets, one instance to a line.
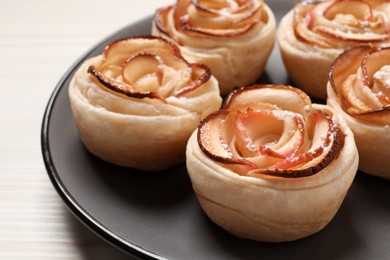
[233, 38]
[359, 90]
[271, 166]
[314, 33]
[137, 104]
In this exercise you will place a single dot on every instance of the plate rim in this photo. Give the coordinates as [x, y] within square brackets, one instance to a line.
[74, 207]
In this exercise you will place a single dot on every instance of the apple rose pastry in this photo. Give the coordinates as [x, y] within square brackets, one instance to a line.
[234, 38]
[137, 104]
[314, 33]
[359, 90]
[271, 166]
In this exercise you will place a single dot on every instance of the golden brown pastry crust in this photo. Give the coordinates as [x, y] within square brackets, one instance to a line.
[145, 133]
[272, 208]
[359, 90]
[234, 42]
[312, 35]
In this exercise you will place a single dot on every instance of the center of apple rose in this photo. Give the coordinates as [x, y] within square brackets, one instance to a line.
[345, 19]
[382, 76]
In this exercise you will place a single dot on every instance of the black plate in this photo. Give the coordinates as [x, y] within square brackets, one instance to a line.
[156, 215]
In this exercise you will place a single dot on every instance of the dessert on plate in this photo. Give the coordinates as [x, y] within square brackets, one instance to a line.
[270, 165]
[359, 90]
[314, 33]
[137, 103]
[233, 38]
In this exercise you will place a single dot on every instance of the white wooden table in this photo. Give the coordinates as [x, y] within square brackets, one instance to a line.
[39, 40]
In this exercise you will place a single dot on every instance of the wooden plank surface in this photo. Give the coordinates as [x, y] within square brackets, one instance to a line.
[39, 40]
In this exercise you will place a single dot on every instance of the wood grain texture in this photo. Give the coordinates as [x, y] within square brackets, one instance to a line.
[39, 40]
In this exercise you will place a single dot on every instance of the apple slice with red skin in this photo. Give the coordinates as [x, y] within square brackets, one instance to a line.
[369, 58]
[306, 29]
[183, 22]
[145, 61]
[327, 142]
[358, 8]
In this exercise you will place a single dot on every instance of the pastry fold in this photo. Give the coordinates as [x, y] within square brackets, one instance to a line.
[137, 104]
[359, 90]
[314, 33]
[271, 166]
[233, 38]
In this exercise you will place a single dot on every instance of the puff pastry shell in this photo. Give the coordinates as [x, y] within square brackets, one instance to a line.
[359, 90]
[314, 33]
[255, 169]
[233, 38]
[137, 104]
